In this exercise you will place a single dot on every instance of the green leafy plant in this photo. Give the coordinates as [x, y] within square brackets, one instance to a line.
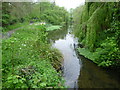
[54, 27]
[29, 61]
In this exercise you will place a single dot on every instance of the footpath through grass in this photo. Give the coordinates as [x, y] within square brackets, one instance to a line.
[28, 61]
[14, 26]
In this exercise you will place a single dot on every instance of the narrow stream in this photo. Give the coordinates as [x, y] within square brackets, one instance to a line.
[71, 62]
[80, 72]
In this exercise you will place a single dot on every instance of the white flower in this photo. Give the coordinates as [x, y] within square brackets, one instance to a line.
[42, 23]
[23, 44]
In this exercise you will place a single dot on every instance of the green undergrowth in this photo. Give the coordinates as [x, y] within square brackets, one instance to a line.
[87, 54]
[28, 61]
[53, 27]
[95, 57]
[107, 55]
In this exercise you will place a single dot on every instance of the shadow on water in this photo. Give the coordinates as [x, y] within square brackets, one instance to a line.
[92, 76]
[57, 34]
[77, 70]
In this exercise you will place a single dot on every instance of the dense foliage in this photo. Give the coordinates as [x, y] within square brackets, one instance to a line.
[16, 14]
[28, 60]
[99, 32]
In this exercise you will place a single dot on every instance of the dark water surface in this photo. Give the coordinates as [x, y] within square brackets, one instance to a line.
[78, 71]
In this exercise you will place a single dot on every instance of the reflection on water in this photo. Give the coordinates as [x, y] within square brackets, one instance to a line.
[71, 62]
[92, 76]
[65, 43]
[57, 34]
[80, 72]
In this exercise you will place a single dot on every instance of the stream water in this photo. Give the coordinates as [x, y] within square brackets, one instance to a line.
[78, 71]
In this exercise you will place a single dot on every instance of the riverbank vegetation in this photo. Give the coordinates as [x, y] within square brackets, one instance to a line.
[28, 60]
[96, 24]
[17, 14]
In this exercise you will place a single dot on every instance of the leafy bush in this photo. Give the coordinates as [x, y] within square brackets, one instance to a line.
[27, 60]
[108, 54]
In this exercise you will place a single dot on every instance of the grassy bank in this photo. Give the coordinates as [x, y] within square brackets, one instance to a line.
[53, 27]
[28, 61]
[49, 27]
[14, 26]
